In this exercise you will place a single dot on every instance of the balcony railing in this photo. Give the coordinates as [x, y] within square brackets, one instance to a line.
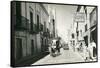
[41, 27]
[34, 29]
[22, 23]
[47, 33]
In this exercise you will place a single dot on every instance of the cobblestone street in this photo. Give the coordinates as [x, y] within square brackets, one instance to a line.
[53, 34]
[67, 56]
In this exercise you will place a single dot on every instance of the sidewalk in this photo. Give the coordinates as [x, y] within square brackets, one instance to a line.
[67, 56]
[82, 54]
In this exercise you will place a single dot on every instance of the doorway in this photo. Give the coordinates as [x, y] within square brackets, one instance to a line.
[18, 48]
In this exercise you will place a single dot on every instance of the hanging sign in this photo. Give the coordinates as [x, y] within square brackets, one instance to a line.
[79, 17]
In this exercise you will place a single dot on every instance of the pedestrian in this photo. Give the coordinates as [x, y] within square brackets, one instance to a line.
[90, 48]
[53, 48]
[87, 54]
[80, 48]
[58, 45]
[50, 49]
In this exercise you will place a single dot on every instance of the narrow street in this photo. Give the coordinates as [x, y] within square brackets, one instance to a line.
[41, 30]
[67, 56]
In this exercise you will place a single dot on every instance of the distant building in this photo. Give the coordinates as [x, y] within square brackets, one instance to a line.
[52, 24]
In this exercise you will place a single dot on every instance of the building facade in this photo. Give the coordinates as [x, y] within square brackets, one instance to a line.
[84, 29]
[31, 31]
[93, 29]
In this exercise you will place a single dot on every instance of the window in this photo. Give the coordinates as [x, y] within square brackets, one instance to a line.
[18, 14]
[45, 26]
[73, 36]
[31, 20]
[81, 32]
[53, 21]
[77, 33]
[73, 42]
[32, 47]
[42, 44]
[38, 22]
[86, 27]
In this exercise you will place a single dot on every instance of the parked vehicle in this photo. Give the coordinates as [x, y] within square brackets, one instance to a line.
[65, 47]
[53, 48]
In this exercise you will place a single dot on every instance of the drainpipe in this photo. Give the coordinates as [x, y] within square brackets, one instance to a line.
[26, 26]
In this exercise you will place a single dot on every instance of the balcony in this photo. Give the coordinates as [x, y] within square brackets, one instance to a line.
[47, 33]
[36, 28]
[41, 27]
[22, 23]
[33, 29]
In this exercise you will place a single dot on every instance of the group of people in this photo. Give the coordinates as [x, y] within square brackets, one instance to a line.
[54, 47]
[92, 50]
[88, 51]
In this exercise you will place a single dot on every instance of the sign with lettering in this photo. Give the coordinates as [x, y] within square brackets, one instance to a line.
[79, 17]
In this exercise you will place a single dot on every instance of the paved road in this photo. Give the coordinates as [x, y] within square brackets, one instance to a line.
[67, 56]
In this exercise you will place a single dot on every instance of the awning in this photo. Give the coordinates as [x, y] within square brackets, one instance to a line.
[90, 30]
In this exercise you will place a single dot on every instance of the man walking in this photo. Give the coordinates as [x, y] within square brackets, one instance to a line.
[90, 47]
[58, 45]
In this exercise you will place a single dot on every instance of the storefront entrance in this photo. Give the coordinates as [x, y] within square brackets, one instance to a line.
[94, 37]
[86, 40]
[18, 48]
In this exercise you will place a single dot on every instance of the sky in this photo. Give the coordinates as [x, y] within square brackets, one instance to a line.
[64, 19]
[63, 15]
